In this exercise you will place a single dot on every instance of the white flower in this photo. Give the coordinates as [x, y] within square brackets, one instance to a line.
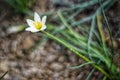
[37, 24]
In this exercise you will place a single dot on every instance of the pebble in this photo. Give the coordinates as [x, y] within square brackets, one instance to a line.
[51, 58]
[28, 43]
[57, 66]
[61, 59]
[4, 65]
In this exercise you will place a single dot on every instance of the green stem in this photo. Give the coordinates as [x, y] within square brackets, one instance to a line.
[101, 34]
[77, 53]
[3, 75]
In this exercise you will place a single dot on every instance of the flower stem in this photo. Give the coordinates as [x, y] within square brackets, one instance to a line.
[77, 53]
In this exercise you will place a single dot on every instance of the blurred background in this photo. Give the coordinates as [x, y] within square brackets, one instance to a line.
[33, 56]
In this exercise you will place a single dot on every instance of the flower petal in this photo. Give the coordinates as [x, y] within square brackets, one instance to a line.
[44, 19]
[28, 29]
[43, 28]
[31, 29]
[30, 22]
[37, 17]
[35, 30]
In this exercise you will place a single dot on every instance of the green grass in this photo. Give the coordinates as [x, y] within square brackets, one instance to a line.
[87, 42]
[21, 6]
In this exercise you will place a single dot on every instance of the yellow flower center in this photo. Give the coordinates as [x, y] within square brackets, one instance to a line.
[38, 25]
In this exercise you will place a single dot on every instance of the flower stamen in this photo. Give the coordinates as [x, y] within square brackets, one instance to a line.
[38, 25]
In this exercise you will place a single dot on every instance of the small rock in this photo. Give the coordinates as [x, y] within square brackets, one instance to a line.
[30, 71]
[28, 42]
[61, 59]
[55, 75]
[67, 79]
[51, 58]
[4, 66]
[56, 66]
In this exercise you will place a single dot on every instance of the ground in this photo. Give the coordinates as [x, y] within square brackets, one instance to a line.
[48, 61]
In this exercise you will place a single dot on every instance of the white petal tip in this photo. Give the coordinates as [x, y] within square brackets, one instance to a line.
[37, 17]
[44, 19]
[27, 29]
[43, 28]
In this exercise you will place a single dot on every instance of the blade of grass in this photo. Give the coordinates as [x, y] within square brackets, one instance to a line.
[77, 53]
[80, 37]
[81, 6]
[108, 63]
[86, 19]
[105, 4]
[90, 36]
[90, 74]
[1, 78]
[85, 4]
[110, 34]
[102, 35]
[68, 26]
[84, 64]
